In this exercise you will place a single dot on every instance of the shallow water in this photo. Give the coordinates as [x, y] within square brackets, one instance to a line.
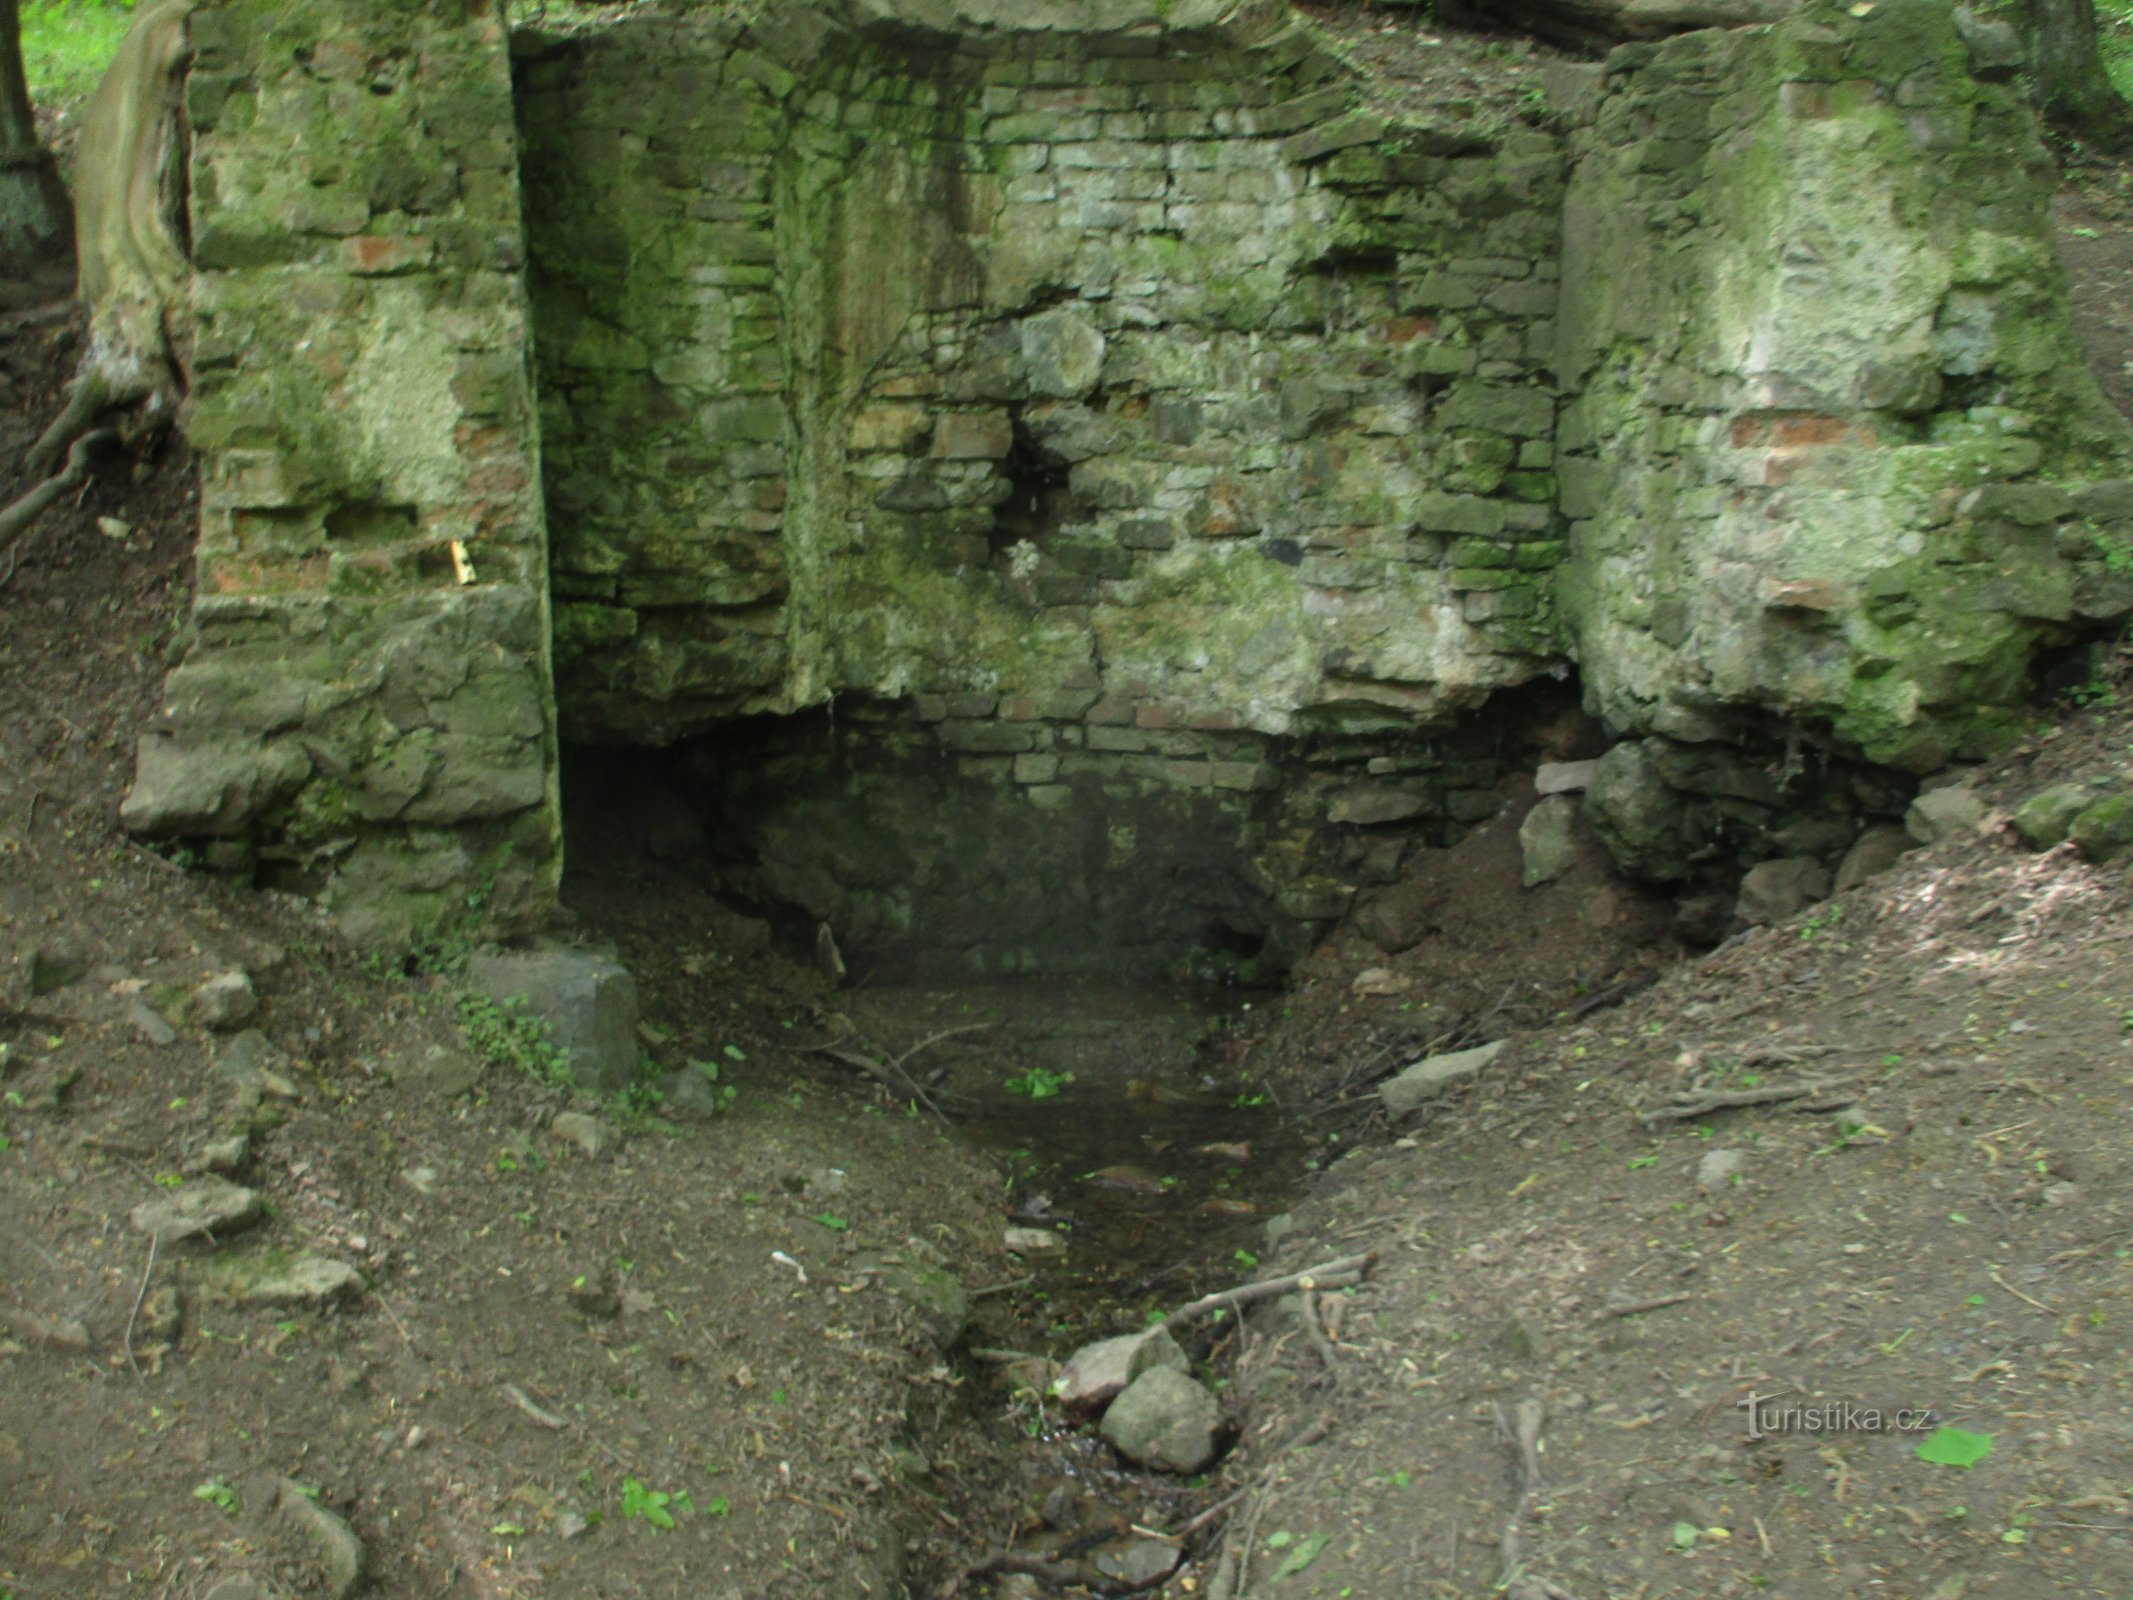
[1130, 1128]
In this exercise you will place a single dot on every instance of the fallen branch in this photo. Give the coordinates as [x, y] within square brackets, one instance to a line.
[1697, 1104]
[545, 1418]
[1613, 995]
[1333, 1275]
[1321, 1346]
[903, 1061]
[1636, 1308]
[133, 1317]
[887, 1074]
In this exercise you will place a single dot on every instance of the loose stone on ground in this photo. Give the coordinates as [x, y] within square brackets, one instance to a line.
[1164, 1420]
[1426, 1080]
[211, 1206]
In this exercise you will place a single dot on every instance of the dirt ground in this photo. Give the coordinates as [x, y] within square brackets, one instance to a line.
[734, 1313]
[740, 1323]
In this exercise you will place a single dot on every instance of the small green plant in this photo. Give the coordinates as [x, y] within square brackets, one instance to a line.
[726, 1093]
[504, 1034]
[1820, 922]
[1954, 1447]
[1039, 1083]
[650, 1505]
[219, 1495]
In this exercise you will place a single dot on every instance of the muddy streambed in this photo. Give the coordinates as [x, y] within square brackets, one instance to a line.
[1141, 1159]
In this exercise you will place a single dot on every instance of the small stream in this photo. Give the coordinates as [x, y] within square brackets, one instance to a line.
[1133, 1134]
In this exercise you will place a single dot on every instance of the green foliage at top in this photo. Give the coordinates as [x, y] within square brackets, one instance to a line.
[66, 44]
[2114, 31]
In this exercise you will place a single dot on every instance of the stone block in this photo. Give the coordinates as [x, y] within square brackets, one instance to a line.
[589, 1002]
[1774, 891]
[1369, 805]
[1871, 854]
[1063, 352]
[1563, 777]
[1098, 1373]
[2047, 817]
[1944, 813]
[1545, 840]
[1166, 1421]
[1425, 1080]
[2104, 831]
[973, 436]
[987, 738]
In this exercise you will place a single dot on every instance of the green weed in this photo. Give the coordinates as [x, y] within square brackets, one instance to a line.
[1039, 1083]
[219, 1495]
[505, 1034]
[650, 1505]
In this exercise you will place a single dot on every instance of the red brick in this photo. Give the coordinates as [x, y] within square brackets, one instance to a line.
[373, 255]
[1790, 430]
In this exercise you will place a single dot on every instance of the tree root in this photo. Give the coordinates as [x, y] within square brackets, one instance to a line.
[87, 396]
[128, 193]
[1696, 1104]
[17, 519]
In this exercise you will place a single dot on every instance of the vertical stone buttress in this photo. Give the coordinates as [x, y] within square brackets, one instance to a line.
[365, 706]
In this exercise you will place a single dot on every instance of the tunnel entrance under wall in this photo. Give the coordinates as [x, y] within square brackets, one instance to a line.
[936, 843]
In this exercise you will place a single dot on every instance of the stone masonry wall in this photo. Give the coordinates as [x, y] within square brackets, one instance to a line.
[1824, 465]
[1125, 402]
[1114, 407]
[365, 706]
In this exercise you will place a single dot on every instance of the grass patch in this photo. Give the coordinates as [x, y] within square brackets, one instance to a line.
[67, 44]
[2114, 31]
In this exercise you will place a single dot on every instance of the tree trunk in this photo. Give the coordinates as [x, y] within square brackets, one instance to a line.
[36, 224]
[2066, 68]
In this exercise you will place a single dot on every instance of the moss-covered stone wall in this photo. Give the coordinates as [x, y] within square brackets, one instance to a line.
[1067, 365]
[364, 709]
[1111, 396]
[1827, 406]
[1123, 400]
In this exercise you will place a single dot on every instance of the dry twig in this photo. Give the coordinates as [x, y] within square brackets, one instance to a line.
[1333, 1275]
[134, 1316]
[1701, 1102]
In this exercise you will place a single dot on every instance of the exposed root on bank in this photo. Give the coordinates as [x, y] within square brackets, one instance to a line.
[16, 520]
